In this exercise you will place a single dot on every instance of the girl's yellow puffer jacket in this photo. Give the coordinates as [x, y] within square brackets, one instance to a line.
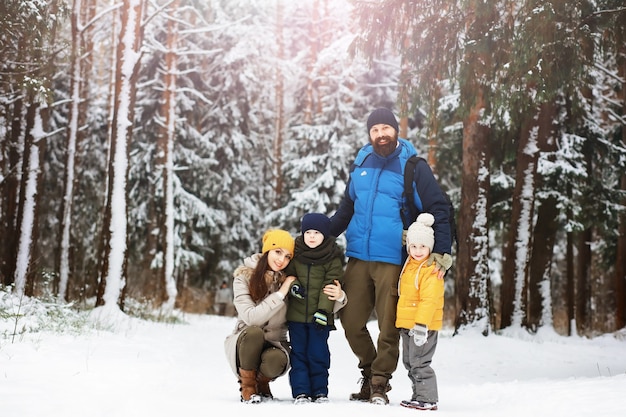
[421, 296]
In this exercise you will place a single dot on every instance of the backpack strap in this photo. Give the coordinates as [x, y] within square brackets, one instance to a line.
[409, 210]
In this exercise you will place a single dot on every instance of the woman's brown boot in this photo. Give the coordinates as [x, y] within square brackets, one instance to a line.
[247, 382]
[263, 386]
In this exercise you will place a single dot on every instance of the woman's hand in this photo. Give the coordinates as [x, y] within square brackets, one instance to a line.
[333, 291]
[286, 285]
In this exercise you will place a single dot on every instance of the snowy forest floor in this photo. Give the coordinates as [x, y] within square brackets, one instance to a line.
[126, 366]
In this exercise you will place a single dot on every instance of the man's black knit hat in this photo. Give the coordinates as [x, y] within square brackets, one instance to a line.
[382, 116]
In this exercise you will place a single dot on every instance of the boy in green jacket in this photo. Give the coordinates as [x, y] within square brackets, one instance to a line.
[314, 298]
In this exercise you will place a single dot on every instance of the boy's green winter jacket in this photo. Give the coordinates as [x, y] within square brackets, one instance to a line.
[314, 268]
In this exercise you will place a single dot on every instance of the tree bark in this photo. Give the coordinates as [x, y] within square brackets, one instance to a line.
[544, 234]
[583, 283]
[473, 305]
[168, 134]
[544, 237]
[514, 290]
[72, 140]
[114, 261]
[569, 273]
[472, 271]
[620, 259]
[36, 124]
[10, 194]
[277, 159]
[27, 202]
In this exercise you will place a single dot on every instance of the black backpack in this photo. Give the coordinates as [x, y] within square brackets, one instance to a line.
[410, 211]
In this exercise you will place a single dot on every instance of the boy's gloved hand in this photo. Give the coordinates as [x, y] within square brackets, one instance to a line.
[443, 262]
[298, 291]
[320, 318]
[420, 334]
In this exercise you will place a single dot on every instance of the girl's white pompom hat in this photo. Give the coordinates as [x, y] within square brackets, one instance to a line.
[421, 232]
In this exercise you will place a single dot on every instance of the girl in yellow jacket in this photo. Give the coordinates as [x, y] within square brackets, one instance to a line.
[420, 313]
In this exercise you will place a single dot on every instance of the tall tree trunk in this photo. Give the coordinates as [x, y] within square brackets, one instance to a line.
[27, 203]
[620, 262]
[544, 237]
[514, 295]
[583, 264]
[10, 194]
[404, 97]
[620, 259]
[101, 269]
[314, 46]
[81, 271]
[569, 273]
[11, 183]
[277, 159]
[73, 132]
[472, 283]
[166, 144]
[584, 258]
[583, 281]
[544, 234]
[433, 125]
[36, 124]
[472, 271]
[113, 273]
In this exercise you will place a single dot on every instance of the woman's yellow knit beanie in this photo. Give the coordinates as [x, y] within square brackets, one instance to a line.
[277, 238]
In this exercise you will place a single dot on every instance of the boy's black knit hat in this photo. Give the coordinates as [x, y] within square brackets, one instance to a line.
[316, 221]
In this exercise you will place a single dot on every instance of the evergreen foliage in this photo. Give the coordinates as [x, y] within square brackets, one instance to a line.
[340, 60]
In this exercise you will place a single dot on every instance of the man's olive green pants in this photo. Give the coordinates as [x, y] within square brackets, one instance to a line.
[372, 287]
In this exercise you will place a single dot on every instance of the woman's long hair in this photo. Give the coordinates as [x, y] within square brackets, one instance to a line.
[258, 286]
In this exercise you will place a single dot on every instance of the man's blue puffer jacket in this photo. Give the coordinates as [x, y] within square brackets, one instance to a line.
[370, 209]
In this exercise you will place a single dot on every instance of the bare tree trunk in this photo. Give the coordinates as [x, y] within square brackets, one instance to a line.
[103, 238]
[404, 96]
[113, 274]
[583, 277]
[570, 279]
[544, 234]
[544, 237]
[514, 288]
[472, 270]
[168, 135]
[620, 259]
[434, 126]
[72, 140]
[10, 194]
[473, 305]
[620, 263]
[36, 123]
[280, 112]
[82, 273]
[584, 258]
[27, 203]
[309, 102]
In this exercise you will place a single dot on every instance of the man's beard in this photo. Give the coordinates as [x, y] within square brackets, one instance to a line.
[390, 143]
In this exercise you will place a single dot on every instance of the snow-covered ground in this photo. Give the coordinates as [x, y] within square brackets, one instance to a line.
[132, 368]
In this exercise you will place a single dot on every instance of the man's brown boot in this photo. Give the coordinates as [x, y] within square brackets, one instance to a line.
[263, 386]
[379, 386]
[364, 393]
[247, 382]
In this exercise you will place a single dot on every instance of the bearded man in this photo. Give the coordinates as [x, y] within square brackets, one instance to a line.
[370, 214]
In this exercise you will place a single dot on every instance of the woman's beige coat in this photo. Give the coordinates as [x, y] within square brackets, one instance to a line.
[269, 314]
